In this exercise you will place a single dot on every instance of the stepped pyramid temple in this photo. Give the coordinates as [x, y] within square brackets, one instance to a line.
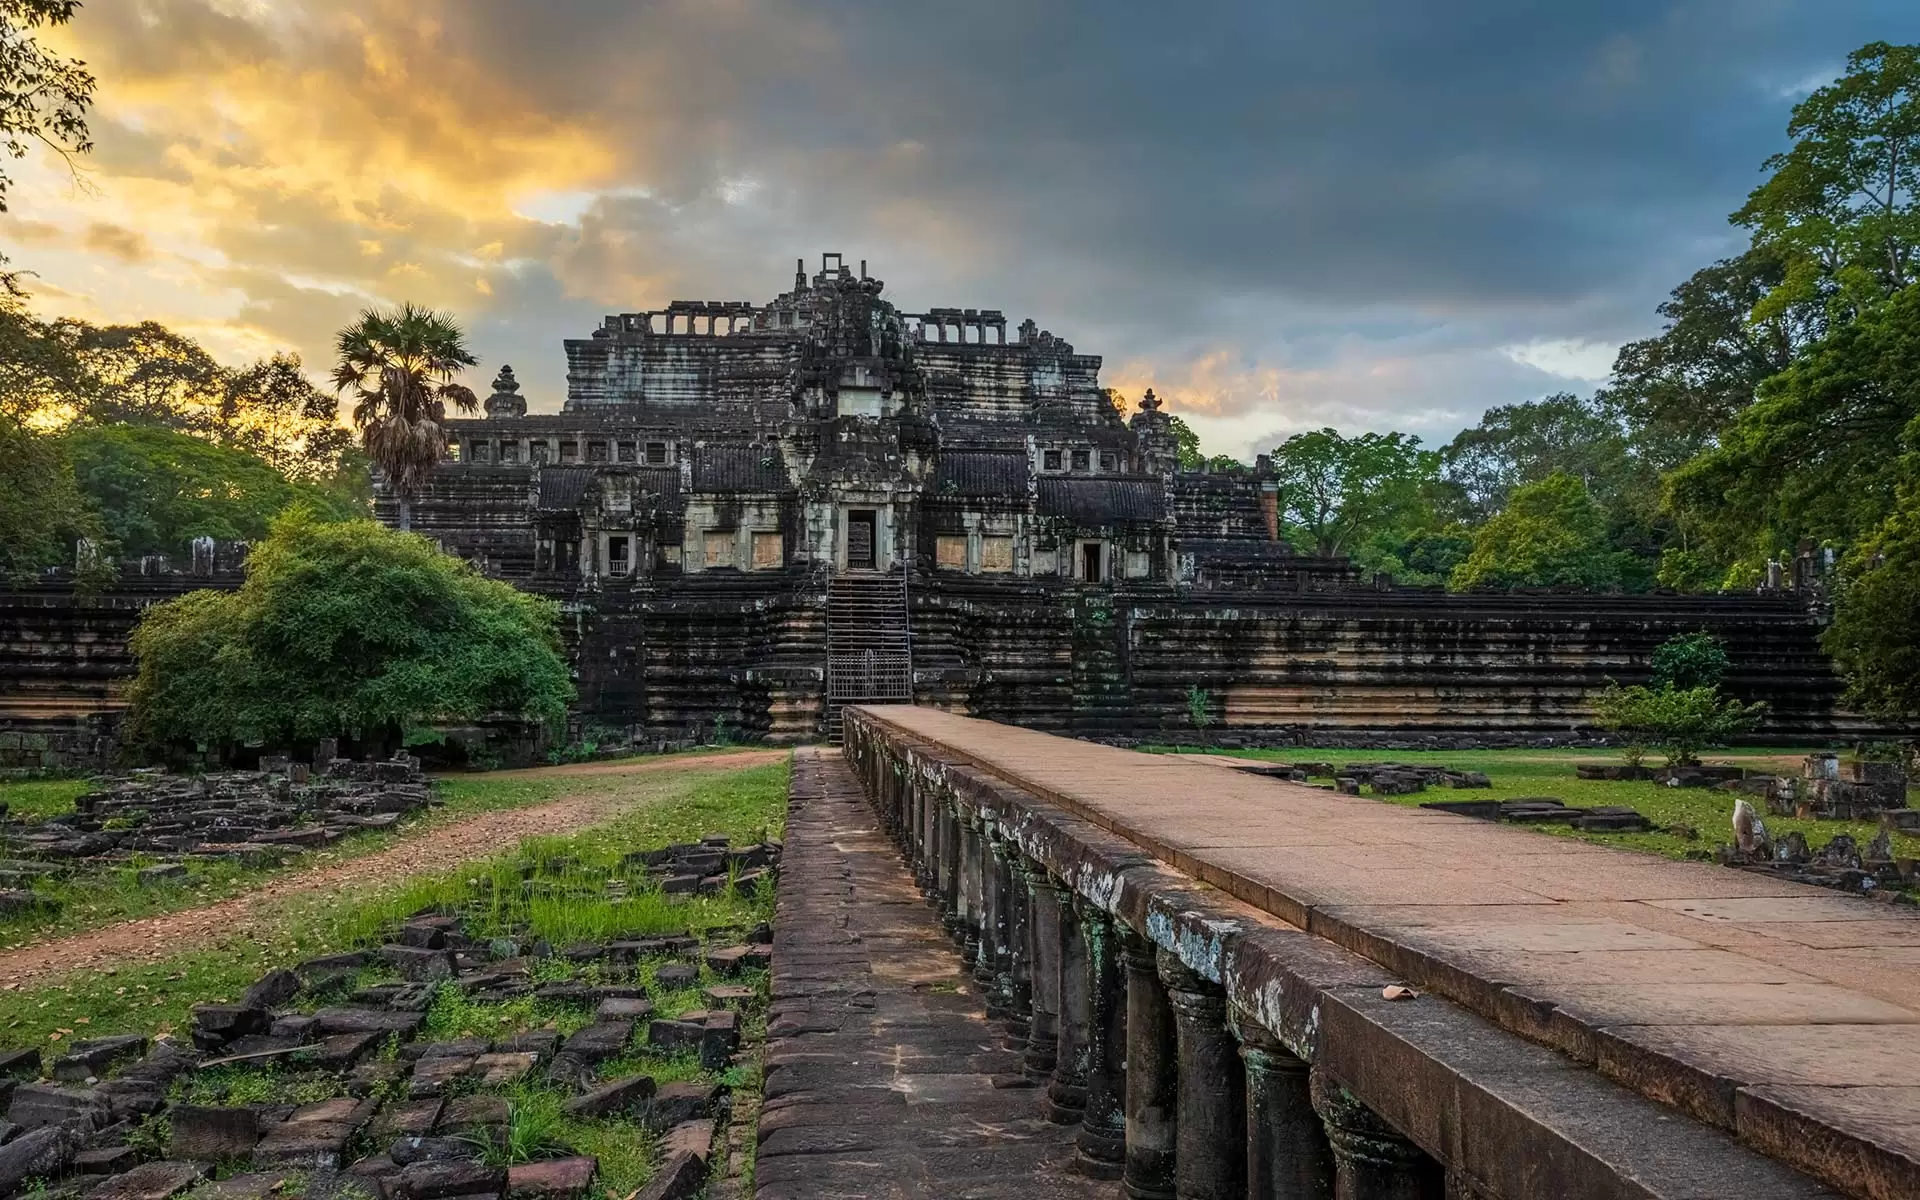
[754, 513]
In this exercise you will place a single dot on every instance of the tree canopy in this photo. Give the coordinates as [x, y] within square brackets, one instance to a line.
[1551, 533]
[343, 629]
[1337, 491]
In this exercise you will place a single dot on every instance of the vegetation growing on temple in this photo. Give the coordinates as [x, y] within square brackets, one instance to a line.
[344, 630]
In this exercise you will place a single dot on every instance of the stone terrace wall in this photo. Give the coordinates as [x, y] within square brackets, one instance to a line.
[670, 656]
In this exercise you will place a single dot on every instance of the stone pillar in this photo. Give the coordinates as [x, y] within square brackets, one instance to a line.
[1067, 1091]
[950, 858]
[968, 932]
[988, 924]
[1103, 1128]
[1152, 1083]
[1287, 1152]
[1020, 952]
[1000, 995]
[1043, 1033]
[1210, 1143]
[1371, 1161]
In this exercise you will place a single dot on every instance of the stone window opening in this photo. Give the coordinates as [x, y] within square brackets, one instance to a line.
[626, 452]
[619, 554]
[596, 452]
[569, 452]
[453, 451]
[541, 452]
[1107, 461]
[1092, 563]
[656, 454]
[1050, 460]
[509, 452]
[1080, 460]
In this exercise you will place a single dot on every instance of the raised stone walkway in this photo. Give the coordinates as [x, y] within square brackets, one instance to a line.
[884, 1077]
[1783, 1013]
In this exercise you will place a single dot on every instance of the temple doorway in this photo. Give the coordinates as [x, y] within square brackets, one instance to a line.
[861, 523]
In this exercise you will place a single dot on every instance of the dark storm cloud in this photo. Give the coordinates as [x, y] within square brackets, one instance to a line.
[1285, 213]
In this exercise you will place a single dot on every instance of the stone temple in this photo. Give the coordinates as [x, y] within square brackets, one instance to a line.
[754, 513]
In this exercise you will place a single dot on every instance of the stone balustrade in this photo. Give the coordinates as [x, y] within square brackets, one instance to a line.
[1207, 1049]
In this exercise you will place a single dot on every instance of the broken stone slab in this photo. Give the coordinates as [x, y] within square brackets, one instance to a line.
[20, 1064]
[457, 1047]
[599, 1042]
[621, 1009]
[555, 1179]
[719, 1039]
[160, 874]
[543, 1043]
[475, 1112]
[434, 1075]
[728, 995]
[623, 1096]
[34, 1105]
[727, 961]
[680, 1178]
[436, 1180]
[426, 1149]
[250, 1186]
[207, 1134]
[676, 1103]
[675, 1034]
[676, 975]
[409, 1118]
[214, 1025]
[150, 1181]
[95, 1057]
[105, 1160]
[37, 1154]
[272, 990]
[500, 1069]
[367, 1020]
[312, 1145]
[417, 964]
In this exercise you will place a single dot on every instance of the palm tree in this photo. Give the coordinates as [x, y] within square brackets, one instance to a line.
[400, 366]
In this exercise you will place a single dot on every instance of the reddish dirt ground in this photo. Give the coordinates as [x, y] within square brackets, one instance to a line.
[476, 837]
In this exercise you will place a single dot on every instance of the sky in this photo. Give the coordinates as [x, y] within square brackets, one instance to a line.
[1279, 214]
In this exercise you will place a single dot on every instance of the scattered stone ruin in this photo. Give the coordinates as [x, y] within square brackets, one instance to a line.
[755, 513]
[408, 1117]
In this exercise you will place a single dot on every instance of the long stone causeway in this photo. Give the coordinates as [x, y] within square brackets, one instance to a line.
[1221, 985]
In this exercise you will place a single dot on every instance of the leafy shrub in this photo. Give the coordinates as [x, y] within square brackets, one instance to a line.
[343, 629]
[1199, 706]
[1689, 660]
[1679, 722]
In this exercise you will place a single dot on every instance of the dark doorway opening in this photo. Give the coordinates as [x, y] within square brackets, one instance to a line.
[861, 523]
[1090, 562]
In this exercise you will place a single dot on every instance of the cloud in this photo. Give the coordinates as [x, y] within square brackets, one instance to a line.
[1393, 214]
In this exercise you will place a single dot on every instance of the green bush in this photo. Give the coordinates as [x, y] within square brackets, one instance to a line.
[344, 629]
[1689, 660]
[1679, 722]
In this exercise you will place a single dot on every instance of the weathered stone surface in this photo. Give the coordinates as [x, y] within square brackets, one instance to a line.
[97, 1056]
[418, 964]
[150, 1181]
[620, 1009]
[105, 1160]
[554, 1179]
[433, 1076]
[474, 1112]
[202, 1134]
[409, 1150]
[20, 1064]
[37, 1104]
[672, 1035]
[598, 1042]
[408, 1118]
[498, 1070]
[272, 990]
[363, 1020]
[630, 1095]
[36, 1154]
[433, 1180]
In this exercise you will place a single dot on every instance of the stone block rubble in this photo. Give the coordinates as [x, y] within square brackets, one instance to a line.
[248, 816]
[411, 1118]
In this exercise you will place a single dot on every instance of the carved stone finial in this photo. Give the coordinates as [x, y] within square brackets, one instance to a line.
[1149, 402]
[506, 400]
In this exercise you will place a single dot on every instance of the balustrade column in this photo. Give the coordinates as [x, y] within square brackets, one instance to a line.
[985, 963]
[1019, 951]
[968, 934]
[1210, 1154]
[1067, 1092]
[1043, 1031]
[1000, 995]
[1371, 1160]
[1103, 1129]
[950, 859]
[1152, 1081]
[1287, 1153]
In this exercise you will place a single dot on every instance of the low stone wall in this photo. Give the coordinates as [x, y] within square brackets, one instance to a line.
[76, 745]
[1206, 1048]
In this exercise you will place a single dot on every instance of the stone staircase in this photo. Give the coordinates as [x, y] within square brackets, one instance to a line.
[869, 643]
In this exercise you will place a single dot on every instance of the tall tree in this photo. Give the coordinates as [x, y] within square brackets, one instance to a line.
[1336, 491]
[41, 511]
[1677, 390]
[1517, 444]
[400, 367]
[1550, 533]
[1841, 209]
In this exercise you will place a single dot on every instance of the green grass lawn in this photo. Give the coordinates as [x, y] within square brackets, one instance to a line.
[156, 995]
[92, 897]
[1519, 773]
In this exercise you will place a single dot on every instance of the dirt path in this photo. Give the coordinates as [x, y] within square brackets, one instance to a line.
[476, 837]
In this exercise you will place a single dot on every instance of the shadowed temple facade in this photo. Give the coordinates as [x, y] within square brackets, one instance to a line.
[756, 512]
